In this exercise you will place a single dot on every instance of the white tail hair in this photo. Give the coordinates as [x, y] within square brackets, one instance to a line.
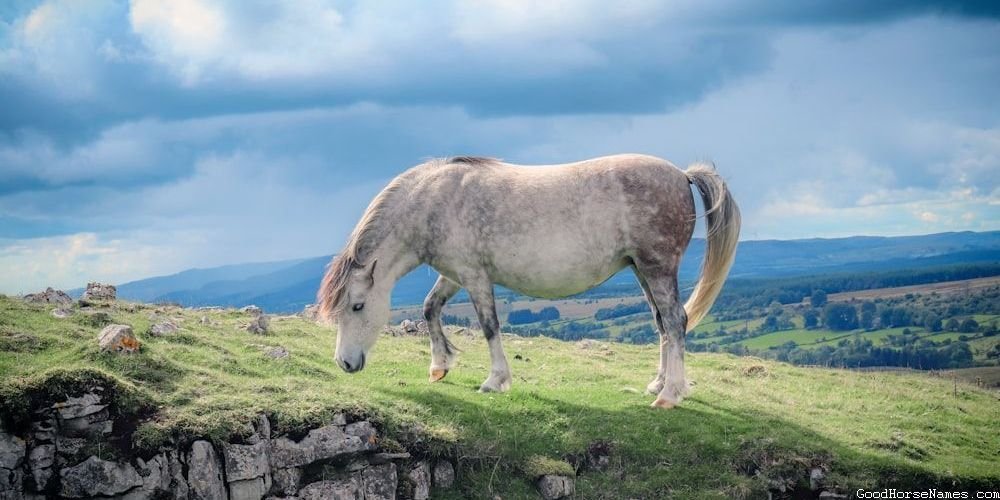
[723, 225]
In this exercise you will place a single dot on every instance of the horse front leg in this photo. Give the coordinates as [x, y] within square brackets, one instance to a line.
[442, 351]
[481, 294]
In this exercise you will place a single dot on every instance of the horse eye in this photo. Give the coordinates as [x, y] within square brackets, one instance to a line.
[357, 307]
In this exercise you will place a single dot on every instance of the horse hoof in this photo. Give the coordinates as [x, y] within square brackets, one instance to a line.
[663, 404]
[437, 374]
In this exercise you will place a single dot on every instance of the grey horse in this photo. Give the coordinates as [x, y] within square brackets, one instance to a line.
[544, 231]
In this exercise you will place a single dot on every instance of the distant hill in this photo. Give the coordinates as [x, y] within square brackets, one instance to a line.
[287, 286]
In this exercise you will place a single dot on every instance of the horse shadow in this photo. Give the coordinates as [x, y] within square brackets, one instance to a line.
[696, 447]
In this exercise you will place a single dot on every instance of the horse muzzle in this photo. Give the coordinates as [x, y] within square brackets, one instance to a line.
[352, 366]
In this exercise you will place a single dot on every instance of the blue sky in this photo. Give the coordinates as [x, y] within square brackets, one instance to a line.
[146, 137]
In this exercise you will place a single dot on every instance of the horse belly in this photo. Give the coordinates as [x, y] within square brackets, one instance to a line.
[554, 267]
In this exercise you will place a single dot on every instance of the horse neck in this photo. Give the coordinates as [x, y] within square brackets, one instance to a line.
[395, 259]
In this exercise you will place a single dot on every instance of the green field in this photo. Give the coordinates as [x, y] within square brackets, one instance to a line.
[747, 425]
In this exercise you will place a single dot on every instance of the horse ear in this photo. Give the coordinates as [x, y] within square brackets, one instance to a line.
[371, 272]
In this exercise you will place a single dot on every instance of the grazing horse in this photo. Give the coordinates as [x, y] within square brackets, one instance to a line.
[548, 232]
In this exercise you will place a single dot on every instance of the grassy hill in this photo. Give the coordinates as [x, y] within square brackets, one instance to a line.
[749, 425]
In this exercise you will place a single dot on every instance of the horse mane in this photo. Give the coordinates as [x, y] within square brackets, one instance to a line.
[472, 160]
[362, 242]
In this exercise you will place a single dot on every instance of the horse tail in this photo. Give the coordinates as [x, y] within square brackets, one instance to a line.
[723, 227]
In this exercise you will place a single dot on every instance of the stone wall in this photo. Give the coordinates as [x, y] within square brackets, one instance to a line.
[68, 452]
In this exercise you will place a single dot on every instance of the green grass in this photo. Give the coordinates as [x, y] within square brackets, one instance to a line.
[746, 423]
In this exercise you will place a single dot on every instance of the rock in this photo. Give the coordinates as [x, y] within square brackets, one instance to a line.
[816, 477]
[12, 450]
[831, 495]
[311, 312]
[98, 477]
[248, 489]
[586, 344]
[408, 326]
[62, 312]
[204, 473]
[380, 482]
[99, 292]
[259, 325]
[163, 328]
[40, 460]
[205, 321]
[552, 487]
[119, 339]
[155, 475]
[178, 485]
[325, 442]
[49, 296]
[286, 481]
[341, 489]
[252, 310]
[69, 447]
[364, 431]
[246, 461]
[444, 474]
[81, 406]
[420, 478]
[11, 484]
[277, 353]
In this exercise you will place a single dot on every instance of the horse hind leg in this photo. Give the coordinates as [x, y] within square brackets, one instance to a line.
[442, 351]
[655, 385]
[670, 384]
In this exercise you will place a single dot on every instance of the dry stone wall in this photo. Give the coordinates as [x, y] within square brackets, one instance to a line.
[66, 453]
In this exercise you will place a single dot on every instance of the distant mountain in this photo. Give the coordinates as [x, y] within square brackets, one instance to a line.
[288, 286]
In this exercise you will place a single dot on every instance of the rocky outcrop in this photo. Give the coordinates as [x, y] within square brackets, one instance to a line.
[118, 338]
[342, 459]
[98, 292]
[49, 296]
[260, 324]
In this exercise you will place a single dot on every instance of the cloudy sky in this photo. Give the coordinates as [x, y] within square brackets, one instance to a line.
[146, 137]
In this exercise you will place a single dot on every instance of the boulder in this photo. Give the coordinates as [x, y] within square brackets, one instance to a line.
[323, 443]
[119, 339]
[99, 292]
[98, 477]
[380, 482]
[342, 489]
[62, 312]
[204, 473]
[80, 406]
[259, 325]
[420, 478]
[552, 487]
[408, 326]
[162, 328]
[444, 474]
[49, 296]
